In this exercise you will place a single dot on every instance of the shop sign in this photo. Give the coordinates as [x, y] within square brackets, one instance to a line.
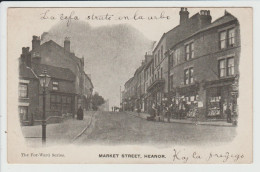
[200, 104]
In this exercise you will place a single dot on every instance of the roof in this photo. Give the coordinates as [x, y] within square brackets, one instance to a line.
[90, 81]
[26, 72]
[179, 32]
[54, 72]
[129, 80]
[71, 55]
[218, 22]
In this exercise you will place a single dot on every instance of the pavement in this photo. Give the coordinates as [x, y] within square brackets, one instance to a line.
[186, 121]
[60, 133]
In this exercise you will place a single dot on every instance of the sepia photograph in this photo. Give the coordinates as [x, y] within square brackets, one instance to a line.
[129, 85]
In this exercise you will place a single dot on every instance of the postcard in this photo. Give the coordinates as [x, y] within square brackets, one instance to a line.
[131, 85]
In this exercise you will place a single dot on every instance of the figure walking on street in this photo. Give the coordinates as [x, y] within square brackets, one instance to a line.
[80, 114]
[228, 113]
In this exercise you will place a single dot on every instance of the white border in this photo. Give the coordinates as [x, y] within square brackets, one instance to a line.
[42, 168]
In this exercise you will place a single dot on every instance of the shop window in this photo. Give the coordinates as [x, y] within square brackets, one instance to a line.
[189, 51]
[55, 85]
[61, 103]
[188, 76]
[23, 111]
[23, 90]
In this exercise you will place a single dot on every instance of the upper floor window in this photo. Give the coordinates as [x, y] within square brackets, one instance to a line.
[176, 58]
[230, 66]
[189, 51]
[188, 76]
[223, 39]
[23, 90]
[158, 57]
[227, 38]
[55, 85]
[226, 67]
[162, 52]
[155, 60]
[231, 37]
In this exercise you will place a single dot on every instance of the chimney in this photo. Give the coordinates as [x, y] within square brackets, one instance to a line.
[35, 42]
[67, 44]
[205, 18]
[26, 56]
[184, 15]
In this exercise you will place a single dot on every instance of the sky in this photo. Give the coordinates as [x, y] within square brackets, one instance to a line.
[152, 22]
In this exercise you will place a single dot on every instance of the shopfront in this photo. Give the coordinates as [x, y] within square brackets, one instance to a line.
[220, 96]
[190, 96]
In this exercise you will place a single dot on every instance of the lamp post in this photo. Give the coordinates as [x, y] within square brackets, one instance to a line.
[44, 81]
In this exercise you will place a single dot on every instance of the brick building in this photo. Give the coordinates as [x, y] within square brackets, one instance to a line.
[197, 61]
[69, 87]
[204, 65]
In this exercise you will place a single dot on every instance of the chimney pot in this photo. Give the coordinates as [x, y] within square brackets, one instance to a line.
[184, 15]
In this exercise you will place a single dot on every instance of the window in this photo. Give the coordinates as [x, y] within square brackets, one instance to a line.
[223, 39]
[23, 111]
[230, 66]
[55, 85]
[61, 103]
[192, 50]
[222, 68]
[189, 51]
[158, 57]
[188, 76]
[162, 52]
[227, 38]
[231, 37]
[155, 60]
[226, 67]
[161, 72]
[176, 57]
[23, 90]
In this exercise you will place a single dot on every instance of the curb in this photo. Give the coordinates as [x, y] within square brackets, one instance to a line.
[189, 122]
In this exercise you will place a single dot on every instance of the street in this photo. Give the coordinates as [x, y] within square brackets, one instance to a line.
[124, 128]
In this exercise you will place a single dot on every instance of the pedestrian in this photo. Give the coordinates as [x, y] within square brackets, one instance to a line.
[167, 111]
[153, 110]
[228, 113]
[80, 114]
